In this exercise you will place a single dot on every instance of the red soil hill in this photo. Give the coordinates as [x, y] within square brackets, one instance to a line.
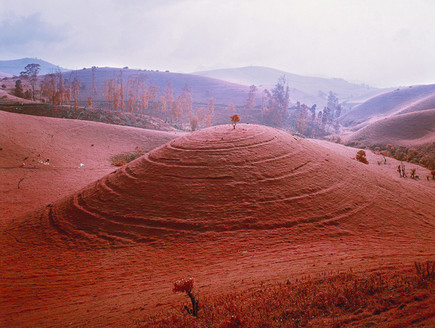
[228, 207]
[220, 179]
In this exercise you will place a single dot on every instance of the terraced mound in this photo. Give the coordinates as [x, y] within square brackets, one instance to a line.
[220, 179]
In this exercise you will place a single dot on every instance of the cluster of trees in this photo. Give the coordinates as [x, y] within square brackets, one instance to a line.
[310, 122]
[137, 95]
[300, 118]
[140, 96]
[411, 155]
[53, 88]
[30, 74]
[275, 103]
[58, 91]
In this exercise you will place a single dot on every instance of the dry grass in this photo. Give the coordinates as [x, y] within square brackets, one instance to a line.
[338, 300]
[425, 270]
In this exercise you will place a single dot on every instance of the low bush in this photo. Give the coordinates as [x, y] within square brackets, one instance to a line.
[361, 157]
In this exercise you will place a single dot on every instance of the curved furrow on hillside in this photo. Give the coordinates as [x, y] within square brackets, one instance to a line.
[223, 179]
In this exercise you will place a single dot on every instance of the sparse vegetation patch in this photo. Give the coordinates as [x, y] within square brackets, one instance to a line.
[331, 300]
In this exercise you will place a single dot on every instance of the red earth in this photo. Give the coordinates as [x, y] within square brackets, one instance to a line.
[229, 207]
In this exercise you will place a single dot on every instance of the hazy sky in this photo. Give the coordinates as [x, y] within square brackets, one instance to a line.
[379, 42]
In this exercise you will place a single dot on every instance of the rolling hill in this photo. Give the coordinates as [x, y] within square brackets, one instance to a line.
[413, 129]
[404, 117]
[14, 67]
[399, 101]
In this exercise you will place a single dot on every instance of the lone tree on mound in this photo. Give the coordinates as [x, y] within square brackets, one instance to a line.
[361, 156]
[186, 286]
[234, 119]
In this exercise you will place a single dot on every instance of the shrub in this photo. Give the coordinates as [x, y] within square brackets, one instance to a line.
[361, 157]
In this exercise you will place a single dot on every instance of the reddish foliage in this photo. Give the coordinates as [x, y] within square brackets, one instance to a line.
[183, 285]
[234, 119]
[361, 156]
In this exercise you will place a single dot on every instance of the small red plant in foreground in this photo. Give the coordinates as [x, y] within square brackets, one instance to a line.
[186, 286]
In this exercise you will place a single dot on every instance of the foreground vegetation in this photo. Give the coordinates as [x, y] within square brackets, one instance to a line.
[393, 299]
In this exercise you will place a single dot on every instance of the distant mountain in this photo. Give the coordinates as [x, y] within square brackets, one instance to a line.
[14, 67]
[313, 86]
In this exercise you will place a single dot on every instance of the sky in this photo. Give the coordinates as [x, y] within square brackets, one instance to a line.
[379, 42]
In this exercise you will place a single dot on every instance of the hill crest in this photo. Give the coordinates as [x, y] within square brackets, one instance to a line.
[15, 66]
